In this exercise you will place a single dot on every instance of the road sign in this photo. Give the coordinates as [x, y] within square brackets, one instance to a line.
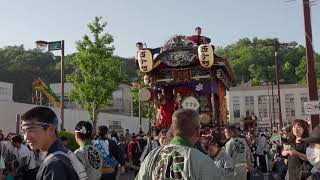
[55, 45]
[312, 107]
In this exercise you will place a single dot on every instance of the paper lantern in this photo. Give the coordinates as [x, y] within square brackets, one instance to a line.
[190, 103]
[205, 55]
[146, 94]
[145, 60]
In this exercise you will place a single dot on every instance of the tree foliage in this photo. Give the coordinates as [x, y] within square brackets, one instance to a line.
[256, 64]
[21, 67]
[94, 61]
[97, 73]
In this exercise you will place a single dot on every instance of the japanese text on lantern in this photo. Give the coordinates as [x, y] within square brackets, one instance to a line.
[143, 61]
[190, 103]
[204, 55]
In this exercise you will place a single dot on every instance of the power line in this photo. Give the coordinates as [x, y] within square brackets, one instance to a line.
[311, 3]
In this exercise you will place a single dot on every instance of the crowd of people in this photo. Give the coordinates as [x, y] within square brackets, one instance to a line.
[290, 153]
[184, 151]
[38, 153]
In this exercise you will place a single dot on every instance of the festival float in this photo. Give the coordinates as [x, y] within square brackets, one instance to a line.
[186, 74]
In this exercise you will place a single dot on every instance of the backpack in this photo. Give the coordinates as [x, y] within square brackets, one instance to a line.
[76, 164]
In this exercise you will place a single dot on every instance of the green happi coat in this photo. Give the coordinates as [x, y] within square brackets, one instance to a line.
[223, 161]
[178, 160]
[239, 151]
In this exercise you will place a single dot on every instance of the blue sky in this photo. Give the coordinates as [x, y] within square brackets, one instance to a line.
[153, 21]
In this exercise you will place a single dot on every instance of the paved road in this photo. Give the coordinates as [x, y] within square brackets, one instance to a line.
[130, 176]
[127, 176]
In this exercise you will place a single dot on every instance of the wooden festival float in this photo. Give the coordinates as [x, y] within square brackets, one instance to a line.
[186, 75]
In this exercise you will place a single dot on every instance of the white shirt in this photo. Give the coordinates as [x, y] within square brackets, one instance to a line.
[22, 152]
[8, 146]
[2, 165]
[262, 146]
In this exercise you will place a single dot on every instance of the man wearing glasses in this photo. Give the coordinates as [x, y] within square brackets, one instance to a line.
[39, 127]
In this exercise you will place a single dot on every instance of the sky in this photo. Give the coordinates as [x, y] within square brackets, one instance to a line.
[153, 21]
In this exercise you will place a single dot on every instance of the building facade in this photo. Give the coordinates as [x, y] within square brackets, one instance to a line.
[243, 101]
[6, 91]
[121, 103]
[11, 110]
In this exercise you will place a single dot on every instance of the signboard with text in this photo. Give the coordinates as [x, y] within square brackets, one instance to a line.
[312, 107]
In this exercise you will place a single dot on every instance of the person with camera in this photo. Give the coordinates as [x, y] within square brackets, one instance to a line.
[295, 151]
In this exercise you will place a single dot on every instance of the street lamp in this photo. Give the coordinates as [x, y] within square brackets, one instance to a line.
[53, 46]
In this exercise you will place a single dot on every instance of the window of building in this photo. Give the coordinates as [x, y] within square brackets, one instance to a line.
[290, 106]
[263, 106]
[236, 106]
[117, 94]
[3, 91]
[274, 106]
[116, 126]
[249, 105]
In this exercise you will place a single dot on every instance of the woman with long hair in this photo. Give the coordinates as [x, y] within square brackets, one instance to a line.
[296, 149]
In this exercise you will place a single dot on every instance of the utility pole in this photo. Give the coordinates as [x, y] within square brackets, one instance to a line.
[273, 112]
[140, 113]
[269, 107]
[62, 85]
[312, 79]
[277, 45]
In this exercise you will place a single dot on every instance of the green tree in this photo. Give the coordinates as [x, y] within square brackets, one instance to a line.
[256, 63]
[21, 67]
[301, 69]
[128, 67]
[97, 73]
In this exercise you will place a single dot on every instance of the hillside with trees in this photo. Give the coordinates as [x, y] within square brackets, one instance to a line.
[250, 63]
[256, 64]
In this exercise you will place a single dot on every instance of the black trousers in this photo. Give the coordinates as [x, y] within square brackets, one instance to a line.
[28, 175]
[110, 176]
[263, 163]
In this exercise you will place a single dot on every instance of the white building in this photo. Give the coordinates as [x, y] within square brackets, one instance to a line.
[122, 101]
[6, 91]
[245, 100]
[9, 112]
